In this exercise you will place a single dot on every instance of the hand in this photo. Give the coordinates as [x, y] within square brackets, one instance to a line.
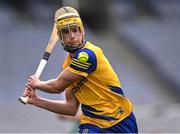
[33, 82]
[30, 92]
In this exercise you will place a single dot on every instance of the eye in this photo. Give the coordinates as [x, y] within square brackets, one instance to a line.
[74, 29]
[65, 31]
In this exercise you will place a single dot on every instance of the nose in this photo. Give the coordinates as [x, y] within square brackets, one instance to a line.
[72, 34]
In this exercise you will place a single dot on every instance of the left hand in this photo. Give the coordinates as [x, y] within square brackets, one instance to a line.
[28, 91]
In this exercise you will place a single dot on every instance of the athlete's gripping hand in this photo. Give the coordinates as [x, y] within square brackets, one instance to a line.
[28, 91]
[33, 82]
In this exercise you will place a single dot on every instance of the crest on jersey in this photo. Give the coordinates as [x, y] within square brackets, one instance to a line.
[83, 57]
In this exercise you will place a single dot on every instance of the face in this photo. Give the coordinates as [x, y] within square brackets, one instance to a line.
[71, 35]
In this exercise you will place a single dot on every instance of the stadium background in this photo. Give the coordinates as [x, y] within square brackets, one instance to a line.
[141, 38]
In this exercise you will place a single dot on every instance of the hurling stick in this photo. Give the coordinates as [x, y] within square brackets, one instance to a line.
[51, 44]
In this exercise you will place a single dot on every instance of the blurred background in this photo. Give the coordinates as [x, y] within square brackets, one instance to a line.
[141, 38]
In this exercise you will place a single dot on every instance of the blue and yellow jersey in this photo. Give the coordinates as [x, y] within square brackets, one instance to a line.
[99, 92]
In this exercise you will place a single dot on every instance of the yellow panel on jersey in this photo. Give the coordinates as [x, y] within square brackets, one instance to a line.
[103, 101]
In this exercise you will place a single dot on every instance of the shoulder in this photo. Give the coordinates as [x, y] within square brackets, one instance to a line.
[84, 60]
[85, 56]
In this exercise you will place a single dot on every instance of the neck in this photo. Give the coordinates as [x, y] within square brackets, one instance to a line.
[71, 55]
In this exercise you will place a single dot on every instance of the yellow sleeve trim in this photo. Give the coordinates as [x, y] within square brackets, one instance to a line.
[77, 72]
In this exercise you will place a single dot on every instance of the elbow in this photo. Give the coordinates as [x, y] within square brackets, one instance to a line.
[57, 89]
[73, 111]
[73, 114]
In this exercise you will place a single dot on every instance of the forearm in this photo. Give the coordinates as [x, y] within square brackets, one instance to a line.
[58, 85]
[49, 86]
[60, 107]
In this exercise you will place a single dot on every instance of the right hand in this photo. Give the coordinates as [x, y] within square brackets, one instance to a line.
[33, 81]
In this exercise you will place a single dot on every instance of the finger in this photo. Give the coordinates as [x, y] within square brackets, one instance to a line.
[26, 93]
[26, 89]
[30, 79]
[33, 76]
[29, 87]
[28, 83]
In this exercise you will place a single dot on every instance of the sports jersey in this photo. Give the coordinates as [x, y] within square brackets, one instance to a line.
[103, 102]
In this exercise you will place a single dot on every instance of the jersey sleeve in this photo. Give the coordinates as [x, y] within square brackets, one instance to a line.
[84, 62]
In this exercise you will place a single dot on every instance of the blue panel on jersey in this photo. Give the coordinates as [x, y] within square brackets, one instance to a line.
[93, 115]
[86, 107]
[128, 125]
[117, 90]
[88, 66]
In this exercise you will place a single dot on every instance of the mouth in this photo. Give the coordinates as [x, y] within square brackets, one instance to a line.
[73, 43]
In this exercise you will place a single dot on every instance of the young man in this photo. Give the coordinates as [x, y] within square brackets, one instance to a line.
[87, 79]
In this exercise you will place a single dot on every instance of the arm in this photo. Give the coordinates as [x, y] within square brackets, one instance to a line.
[67, 107]
[58, 85]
